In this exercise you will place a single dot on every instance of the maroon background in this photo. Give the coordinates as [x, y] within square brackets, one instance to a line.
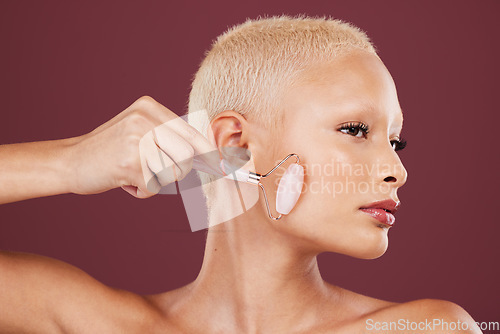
[67, 67]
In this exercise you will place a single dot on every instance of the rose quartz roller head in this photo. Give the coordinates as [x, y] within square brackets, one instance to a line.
[289, 188]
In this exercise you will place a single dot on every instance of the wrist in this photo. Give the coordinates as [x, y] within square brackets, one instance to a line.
[68, 164]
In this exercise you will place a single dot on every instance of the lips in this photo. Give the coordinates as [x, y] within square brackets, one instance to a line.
[383, 211]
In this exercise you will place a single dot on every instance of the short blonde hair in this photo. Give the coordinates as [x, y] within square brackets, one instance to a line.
[249, 66]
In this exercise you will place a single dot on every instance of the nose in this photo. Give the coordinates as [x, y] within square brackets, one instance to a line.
[396, 175]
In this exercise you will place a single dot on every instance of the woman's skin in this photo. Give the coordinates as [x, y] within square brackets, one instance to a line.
[262, 276]
[259, 275]
[122, 152]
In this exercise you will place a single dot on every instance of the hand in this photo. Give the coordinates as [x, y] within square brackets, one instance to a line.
[142, 149]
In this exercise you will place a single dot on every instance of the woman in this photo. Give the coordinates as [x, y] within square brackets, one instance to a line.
[271, 87]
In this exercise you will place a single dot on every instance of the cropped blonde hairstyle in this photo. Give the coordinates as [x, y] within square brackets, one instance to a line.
[250, 65]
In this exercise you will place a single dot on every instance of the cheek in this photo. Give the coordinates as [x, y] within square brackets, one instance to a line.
[331, 183]
[333, 169]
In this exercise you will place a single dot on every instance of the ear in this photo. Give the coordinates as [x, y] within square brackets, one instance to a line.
[230, 130]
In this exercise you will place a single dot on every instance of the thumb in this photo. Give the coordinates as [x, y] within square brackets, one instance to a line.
[137, 192]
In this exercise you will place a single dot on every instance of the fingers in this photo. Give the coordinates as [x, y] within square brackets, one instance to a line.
[176, 149]
[147, 108]
[167, 150]
[156, 111]
[165, 157]
[198, 141]
[157, 168]
[202, 148]
[137, 191]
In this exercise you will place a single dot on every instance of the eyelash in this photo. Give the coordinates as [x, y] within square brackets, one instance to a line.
[398, 144]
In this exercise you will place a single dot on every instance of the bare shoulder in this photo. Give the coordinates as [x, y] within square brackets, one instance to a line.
[58, 297]
[357, 304]
[167, 302]
[423, 316]
[177, 309]
[363, 314]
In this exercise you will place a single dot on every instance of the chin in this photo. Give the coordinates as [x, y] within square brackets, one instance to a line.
[372, 250]
[372, 253]
[366, 246]
[363, 240]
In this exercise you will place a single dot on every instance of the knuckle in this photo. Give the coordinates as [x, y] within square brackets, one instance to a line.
[186, 168]
[132, 147]
[133, 140]
[186, 162]
[131, 158]
[155, 165]
[145, 142]
[168, 175]
[131, 154]
[146, 100]
[181, 172]
[127, 165]
[191, 133]
[150, 187]
[137, 121]
[187, 152]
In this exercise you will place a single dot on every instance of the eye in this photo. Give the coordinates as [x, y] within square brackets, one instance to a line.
[355, 129]
[398, 144]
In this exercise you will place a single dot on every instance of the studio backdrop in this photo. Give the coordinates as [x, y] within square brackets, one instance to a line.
[70, 66]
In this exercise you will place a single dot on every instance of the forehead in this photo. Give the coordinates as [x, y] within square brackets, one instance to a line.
[357, 81]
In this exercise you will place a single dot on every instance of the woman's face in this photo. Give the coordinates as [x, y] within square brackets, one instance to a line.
[345, 168]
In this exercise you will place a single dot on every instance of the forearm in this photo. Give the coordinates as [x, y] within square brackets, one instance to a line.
[36, 169]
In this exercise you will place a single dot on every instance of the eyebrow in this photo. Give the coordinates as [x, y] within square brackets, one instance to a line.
[369, 106]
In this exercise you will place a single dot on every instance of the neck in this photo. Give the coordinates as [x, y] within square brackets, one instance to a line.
[255, 278]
